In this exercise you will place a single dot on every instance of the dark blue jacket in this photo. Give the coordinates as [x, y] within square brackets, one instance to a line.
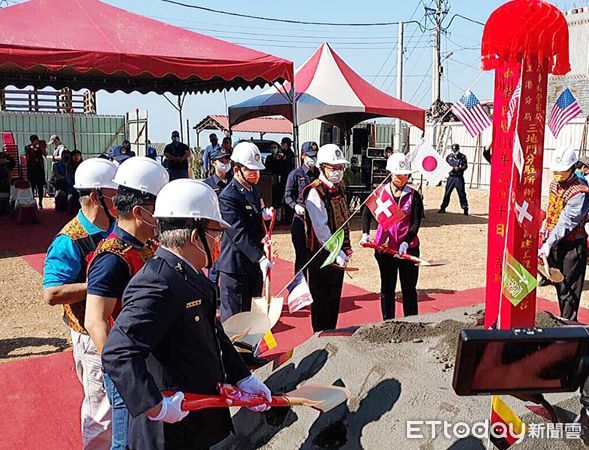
[296, 182]
[458, 161]
[169, 312]
[242, 246]
[216, 183]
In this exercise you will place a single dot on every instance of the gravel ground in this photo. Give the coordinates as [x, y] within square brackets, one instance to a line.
[30, 327]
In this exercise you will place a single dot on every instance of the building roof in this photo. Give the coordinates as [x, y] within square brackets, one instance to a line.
[278, 125]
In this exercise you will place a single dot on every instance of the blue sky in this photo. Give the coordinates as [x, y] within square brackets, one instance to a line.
[371, 51]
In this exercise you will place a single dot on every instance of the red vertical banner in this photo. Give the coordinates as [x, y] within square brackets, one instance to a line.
[506, 80]
[516, 189]
[523, 41]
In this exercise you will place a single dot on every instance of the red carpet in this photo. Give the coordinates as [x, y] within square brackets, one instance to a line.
[42, 395]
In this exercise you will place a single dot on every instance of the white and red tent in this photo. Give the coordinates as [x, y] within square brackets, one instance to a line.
[327, 89]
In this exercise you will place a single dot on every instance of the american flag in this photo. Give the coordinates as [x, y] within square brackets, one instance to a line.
[513, 103]
[471, 113]
[565, 109]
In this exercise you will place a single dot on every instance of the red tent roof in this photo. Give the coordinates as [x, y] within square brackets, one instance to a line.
[328, 89]
[278, 125]
[90, 44]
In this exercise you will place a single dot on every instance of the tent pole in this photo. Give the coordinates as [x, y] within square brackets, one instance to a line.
[295, 125]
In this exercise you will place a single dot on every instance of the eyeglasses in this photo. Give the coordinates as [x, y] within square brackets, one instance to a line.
[214, 233]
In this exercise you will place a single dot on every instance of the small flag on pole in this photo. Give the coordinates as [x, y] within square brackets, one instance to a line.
[334, 245]
[507, 427]
[430, 164]
[299, 294]
[268, 342]
[472, 114]
[564, 110]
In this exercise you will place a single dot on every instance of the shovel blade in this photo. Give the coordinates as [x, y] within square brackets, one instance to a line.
[275, 310]
[321, 397]
[259, 305]
[257, 323]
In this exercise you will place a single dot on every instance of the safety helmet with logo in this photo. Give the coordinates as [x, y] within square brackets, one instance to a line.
[95, 173]
[142, 174]
[187, 203]
[188, 199]
[398, 164]
[331, 154]
[248, 155]
[564, 158]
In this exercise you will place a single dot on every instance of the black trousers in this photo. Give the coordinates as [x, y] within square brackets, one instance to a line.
[458, 184]
[570, 257]
[38, 187]
[326, 289]
[408, 273]
[299, 242]
[236, 292]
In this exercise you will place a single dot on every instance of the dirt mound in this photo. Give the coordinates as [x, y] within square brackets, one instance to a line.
[445, 332]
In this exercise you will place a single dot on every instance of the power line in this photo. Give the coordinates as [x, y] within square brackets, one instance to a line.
[272, 19]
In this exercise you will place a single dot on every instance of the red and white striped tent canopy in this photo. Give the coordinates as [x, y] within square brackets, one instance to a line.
[327, 89]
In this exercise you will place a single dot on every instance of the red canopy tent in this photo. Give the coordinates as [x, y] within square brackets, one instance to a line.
[90, 44]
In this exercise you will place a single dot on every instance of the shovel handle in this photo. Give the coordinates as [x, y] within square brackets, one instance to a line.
[390, 251]
[195, 402]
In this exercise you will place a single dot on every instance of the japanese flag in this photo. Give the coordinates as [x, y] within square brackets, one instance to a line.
[428, 162]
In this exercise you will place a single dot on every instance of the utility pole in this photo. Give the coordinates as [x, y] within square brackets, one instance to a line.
[400, 51]
[436, 67]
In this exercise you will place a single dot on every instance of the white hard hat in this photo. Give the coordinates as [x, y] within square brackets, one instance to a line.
[142, 174]
[331, 154]
[188, 199]
[563, 159]
[248, 154]
[398, 164]
[95, 173]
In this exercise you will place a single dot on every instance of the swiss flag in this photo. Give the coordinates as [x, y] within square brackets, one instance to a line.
[428, 162]
[384, 208]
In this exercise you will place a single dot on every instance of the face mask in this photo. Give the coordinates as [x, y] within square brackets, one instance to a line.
[223, 167]
[252, 177]
[215, 249]
[336, 176]
[400, 180]
[175, 138]
[148, 223]
[310, 162]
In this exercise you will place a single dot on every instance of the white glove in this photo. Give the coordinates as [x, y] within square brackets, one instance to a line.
[267, 213]
[171, 411]
[265, 265]
[587, 228]
[544, 250]
[365, 238]
[403, 248]
[300, 210]
[342, 259]
[253, 385]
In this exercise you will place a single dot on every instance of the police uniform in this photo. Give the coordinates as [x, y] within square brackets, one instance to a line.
[214, 181]
[218, 185]
[169, 312]
[296, 183]
[456, 181]
[242, 248]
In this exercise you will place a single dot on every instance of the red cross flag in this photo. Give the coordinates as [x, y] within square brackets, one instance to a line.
[384, 208]
[527, 213]
[428, 162]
